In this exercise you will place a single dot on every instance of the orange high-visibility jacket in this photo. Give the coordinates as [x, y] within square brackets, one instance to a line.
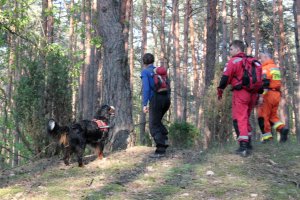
[272, 73]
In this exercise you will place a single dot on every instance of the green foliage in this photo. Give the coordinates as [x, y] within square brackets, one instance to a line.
[183, 134]
[97, 42]
[218, 113]
[43, 91]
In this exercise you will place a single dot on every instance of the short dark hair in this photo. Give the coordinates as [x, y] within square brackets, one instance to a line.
[238, 44]
[148, 58]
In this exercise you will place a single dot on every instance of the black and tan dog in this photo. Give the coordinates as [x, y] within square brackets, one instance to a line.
[75, 137]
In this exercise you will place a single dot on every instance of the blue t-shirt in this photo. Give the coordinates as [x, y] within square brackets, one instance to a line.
[148, 83]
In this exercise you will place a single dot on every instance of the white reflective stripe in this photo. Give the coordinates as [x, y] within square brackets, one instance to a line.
[266, 134]
[277, 124]
[243, 138]
[237, 60]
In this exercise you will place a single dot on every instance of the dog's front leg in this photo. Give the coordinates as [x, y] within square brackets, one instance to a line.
[99, 150]
[67, 152]
[80, 151]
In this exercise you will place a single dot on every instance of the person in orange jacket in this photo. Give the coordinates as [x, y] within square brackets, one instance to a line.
[269, 100]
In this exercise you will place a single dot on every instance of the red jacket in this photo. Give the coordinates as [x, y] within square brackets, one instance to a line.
[233, 69]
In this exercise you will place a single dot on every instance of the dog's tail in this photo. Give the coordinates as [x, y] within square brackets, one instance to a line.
[54, 129]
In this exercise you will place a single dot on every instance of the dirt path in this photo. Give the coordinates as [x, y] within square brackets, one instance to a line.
[271, 172]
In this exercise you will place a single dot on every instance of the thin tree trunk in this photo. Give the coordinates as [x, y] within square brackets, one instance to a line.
[247, 24]
[185, 58]
[231, 21]
[275, 28]
[224, 31]
[297, 95]
[285, 97]
[162, 34]
[239, 19]
[131, 51]
[195, 70]
[88, 64]
[50, 23]
[256, 28]
[82, 80]
[176, 63]
[144, 49]
[211, 42]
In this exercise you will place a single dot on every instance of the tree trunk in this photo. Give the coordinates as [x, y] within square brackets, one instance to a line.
[275, 28]
[256, 29]
[50, 23]
[144, 49]
[162, 34]
[285, 96]
[131, 51]
[185, 59]
[176, 63]
[87, 62]
[231, 22]
[210, 56]
[297, 95]
[247, 24]
[211, 42]
[116, 73]
[239, 19]
[224, 32]
[82, 80]
[127, 6]
[195, 71]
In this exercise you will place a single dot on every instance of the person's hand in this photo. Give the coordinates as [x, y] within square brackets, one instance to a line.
[220, 93]
[145, 109]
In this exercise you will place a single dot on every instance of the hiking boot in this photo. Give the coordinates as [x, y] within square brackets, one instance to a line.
[160, 150]
[265, 141]
[243, 150]
[250, 147]
[284, 134]
[157, 155]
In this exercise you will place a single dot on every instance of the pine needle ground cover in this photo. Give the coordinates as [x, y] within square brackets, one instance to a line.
[271, 172]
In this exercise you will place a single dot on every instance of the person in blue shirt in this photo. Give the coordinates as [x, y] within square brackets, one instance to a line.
[156, 104]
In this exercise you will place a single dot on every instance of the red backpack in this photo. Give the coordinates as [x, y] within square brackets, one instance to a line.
[161, 81]
[252, 76]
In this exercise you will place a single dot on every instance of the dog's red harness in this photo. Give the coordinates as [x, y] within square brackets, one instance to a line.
[101, 125]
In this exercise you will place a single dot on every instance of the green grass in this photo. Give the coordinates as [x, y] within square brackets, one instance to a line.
[10, 191]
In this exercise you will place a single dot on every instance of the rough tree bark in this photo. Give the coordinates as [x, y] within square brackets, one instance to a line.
[247, 25]
[210, 56]
[297, 96]
[116, 73]
[143, 51]
[239, 19]
[176, 63]
[185, 58]
[224, 32]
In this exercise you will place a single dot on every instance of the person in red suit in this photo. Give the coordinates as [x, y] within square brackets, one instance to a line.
[243, 101]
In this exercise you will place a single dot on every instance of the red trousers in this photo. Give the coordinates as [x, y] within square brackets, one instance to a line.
[243, 103]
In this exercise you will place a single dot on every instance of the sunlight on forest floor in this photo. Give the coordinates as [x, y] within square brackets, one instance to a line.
[271, 172]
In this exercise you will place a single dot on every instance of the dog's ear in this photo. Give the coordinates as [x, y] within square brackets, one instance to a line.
[111, 110]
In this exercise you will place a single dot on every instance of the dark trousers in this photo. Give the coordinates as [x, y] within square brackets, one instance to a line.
[159, 105]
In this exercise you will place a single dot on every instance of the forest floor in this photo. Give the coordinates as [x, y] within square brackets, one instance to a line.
[271, 172]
